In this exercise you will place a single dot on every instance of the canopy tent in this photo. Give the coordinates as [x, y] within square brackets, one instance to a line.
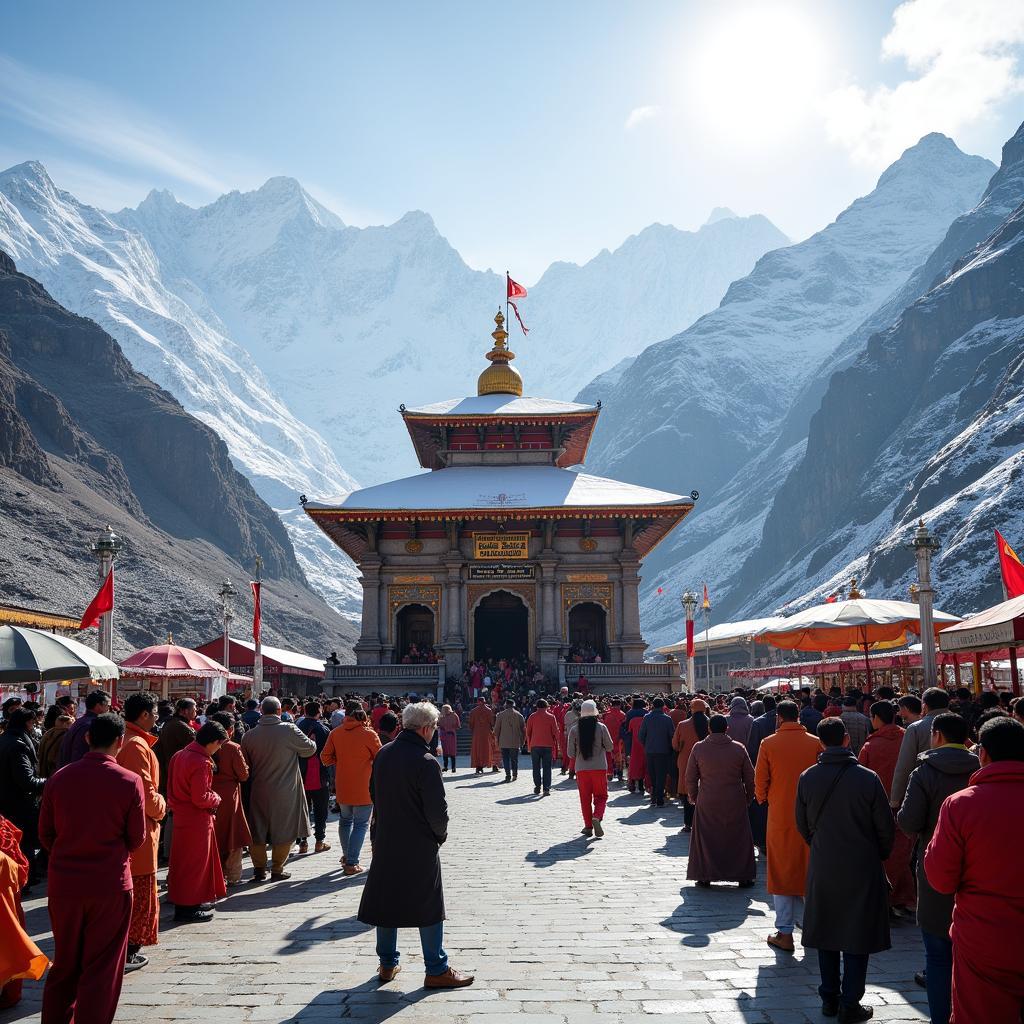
[31, 656]
[995, 628]
[163, 665]
[857, 623]
[784, 683]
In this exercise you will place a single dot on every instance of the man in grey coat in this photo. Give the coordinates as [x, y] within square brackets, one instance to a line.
[843, 814]
[510, 733]
[916, 740]
[277, 800]
[941, 771]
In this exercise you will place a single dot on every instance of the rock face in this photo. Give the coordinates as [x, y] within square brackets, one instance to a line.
[88, 441]
[724, 407]
[928, 422]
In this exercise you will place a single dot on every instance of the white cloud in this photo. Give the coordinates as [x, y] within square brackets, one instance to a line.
[638, 115]
[962, 59]
[94, 121]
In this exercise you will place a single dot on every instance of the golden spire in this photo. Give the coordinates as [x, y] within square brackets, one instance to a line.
[499, 378]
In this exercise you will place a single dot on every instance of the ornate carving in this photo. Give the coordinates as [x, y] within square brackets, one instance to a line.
[588, 544]
[414, 547]
[399, 595]
[599, 593]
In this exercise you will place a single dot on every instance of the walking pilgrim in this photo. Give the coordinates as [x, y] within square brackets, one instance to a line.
[588, 745]
[481, 723]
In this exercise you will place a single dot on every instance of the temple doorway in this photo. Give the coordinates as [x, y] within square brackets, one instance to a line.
[501, 627]
[415, 632]
[588, 632]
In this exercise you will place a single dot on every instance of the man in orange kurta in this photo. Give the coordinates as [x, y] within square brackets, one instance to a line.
[481, 724]
[137, 755]
[780, 761]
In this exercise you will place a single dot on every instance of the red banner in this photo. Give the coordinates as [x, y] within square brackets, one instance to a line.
[255, 611]
[102, 603]
[689, 640]
[514, 290]
[1011, 568]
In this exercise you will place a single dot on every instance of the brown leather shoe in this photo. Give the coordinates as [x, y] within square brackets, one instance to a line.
[353, 869]
[450, 979]
[321, 847]
[386, 974]
[781, 941]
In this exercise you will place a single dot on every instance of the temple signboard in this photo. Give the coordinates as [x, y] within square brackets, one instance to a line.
[502, 572]
[501, 546]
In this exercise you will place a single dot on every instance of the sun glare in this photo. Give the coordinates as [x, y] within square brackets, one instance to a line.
[756, 72]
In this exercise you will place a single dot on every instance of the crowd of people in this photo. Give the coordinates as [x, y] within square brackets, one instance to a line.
[868, 809]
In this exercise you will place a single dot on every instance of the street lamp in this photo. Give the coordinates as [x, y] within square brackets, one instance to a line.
[105, 548]
[227, 591]
[689, 602]
[925, 545]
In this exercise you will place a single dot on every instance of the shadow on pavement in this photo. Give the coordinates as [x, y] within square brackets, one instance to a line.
[321, 928]
[330, 1004]
[571, 850]
[705, 912]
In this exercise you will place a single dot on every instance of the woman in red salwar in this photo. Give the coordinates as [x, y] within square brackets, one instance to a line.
[195, 876]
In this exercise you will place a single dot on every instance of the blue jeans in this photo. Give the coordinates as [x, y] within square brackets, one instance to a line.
[510, 759]
[435, 959]
[787, 909]
[938, 966]
[353, 821]
[541, 758]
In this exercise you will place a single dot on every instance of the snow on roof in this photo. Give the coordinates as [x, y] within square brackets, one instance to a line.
[493, 405]
[725, 631]
[289, 659]
[502, 487]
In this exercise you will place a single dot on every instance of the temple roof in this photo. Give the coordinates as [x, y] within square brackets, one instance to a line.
[499, 406]
[470, 493]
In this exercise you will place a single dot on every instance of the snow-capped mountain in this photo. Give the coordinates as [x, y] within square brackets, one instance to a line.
[101, 270]
[716, 407]
[348, 322]
[928, 422]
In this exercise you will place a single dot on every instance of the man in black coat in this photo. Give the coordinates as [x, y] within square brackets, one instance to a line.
[410, 824]
[656, 736]
[842, 812]
[20, 784]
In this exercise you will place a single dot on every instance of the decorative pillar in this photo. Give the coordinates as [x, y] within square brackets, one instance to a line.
[105, 549]
[925, 545]
[227, 591]
[454, 640]
[631, 642]
[368, 647]
[550, 640]
[689, 601]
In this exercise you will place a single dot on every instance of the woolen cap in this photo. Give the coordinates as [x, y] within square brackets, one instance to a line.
[588, 709]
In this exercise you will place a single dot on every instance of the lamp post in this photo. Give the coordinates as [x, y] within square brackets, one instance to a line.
[689, 602]
[227, 591]
[925, 545]
[105, 548]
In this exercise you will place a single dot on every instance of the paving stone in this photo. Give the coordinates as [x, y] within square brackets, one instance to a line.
[558, 930]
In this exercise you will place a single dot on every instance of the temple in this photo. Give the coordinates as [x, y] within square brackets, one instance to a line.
[504, 549]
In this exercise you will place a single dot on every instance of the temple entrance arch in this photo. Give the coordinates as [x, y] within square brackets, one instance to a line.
[501, 626]
[588, 630]
[414, 627]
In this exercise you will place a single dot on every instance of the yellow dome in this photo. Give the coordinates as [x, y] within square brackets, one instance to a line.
[499, 378]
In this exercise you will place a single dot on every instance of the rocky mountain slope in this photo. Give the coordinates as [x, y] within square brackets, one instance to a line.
[85, 440]
[928, 422]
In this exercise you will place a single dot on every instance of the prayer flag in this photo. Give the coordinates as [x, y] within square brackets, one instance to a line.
[255, 584]
[102, 603]
[689, 642]
[1010, 567]
[514, 289]
[522, 326]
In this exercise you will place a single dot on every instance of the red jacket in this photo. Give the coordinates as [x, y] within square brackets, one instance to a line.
[880, 752]
[541, 730]
[93, 817]
[975, 853]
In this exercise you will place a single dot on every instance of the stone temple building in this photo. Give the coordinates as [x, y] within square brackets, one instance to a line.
[504, 548]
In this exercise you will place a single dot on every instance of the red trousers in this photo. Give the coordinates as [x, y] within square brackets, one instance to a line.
[983, 992]
[90, 938]
[593, 787]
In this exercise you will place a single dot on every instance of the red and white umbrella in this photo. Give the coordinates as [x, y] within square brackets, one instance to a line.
[172, 660]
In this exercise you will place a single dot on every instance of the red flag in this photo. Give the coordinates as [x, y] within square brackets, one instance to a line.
[707, 601]
[522, 326]
[514, 289]
[831, 599]
[659, 590]
[1011, 568]
[103, 602]
[689, 641]
[255, 611]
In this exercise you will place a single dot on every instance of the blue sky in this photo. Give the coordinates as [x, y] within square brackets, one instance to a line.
[531, 132]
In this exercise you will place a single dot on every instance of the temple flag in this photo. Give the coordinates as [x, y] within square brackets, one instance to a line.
[1011, 568]
[102, 603]
[831, 599]
[255, 584]
[514, 289]
[689, 638]
[706, 604]
[522, 326]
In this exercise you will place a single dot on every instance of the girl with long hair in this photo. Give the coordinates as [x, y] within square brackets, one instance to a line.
[588, 744]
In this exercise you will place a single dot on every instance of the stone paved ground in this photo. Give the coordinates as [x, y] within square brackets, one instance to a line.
[555, 927]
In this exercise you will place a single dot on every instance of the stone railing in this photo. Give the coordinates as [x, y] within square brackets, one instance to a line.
[399, 678]
[606, 676]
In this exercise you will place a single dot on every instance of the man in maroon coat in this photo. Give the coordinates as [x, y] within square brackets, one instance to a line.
[93, 817]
